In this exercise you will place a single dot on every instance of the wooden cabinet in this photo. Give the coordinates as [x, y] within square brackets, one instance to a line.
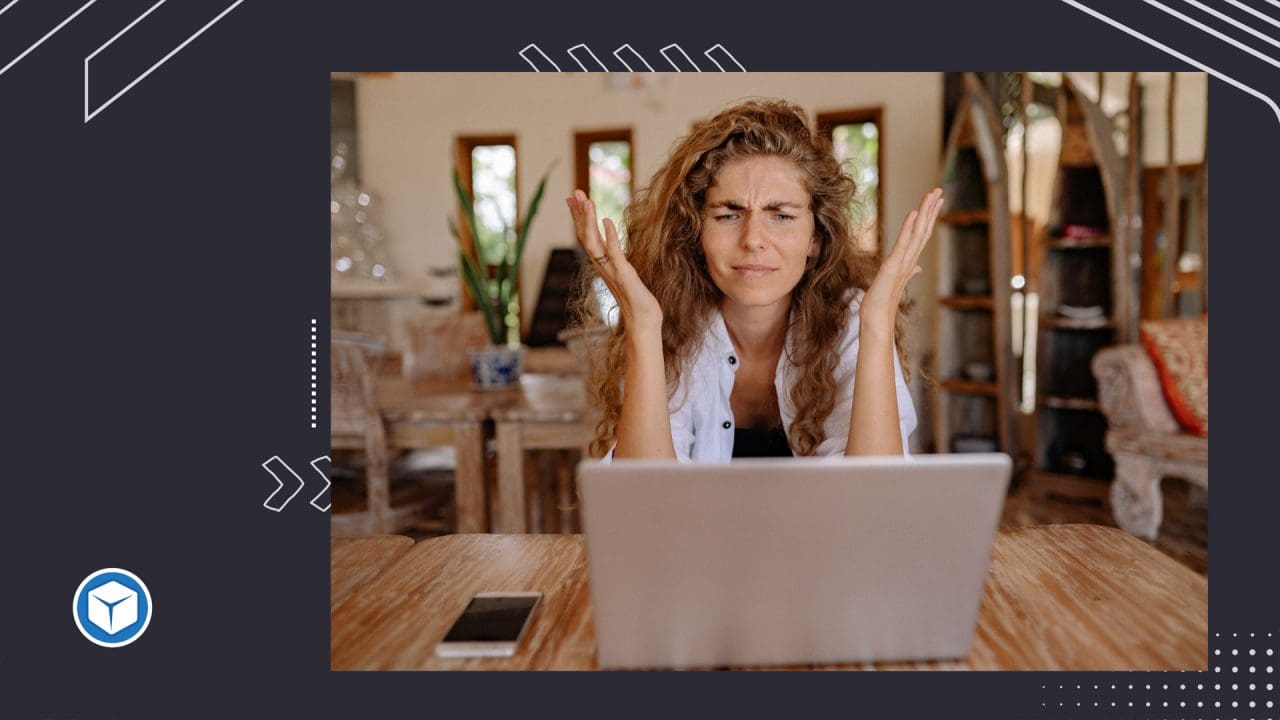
[975, 397]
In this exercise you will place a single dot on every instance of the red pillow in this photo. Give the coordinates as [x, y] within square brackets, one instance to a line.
[1180, 350]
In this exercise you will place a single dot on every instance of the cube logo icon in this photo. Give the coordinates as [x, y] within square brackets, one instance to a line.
[112, 607]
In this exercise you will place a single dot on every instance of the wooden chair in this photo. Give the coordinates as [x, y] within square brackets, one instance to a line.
[357, 425]
[583, 345]
[1144, 438]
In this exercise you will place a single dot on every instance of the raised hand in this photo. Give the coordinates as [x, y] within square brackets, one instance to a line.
[639, 308]
[880, 304]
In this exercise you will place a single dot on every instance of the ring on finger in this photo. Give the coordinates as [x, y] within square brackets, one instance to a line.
[602, 259]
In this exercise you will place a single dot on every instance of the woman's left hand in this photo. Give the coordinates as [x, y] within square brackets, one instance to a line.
[880, 304]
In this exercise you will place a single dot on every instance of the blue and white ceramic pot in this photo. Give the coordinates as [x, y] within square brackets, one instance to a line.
[496, 367]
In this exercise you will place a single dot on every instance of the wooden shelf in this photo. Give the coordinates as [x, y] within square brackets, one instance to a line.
[973, 265]
[1085, 243]
[1088, 186]
[1057, 322]
[966, 217]
[1059, 402]
[970, 387]
[968, 302]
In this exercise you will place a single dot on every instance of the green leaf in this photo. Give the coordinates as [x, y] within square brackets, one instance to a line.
[484, 301]
[504, 267]
[468, 212]
[529, 214]
[493, 300]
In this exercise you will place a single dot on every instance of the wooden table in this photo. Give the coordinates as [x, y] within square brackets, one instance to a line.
[1059, 597]
[545, 411]
[354, 562]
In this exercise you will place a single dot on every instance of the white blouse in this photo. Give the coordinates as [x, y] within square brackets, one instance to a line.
[702, 420]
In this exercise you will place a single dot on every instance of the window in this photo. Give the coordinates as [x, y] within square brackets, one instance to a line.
[856, 138]
[487, 169]
[604, 162]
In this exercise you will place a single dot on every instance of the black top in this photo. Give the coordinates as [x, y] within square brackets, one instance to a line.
[758, 442]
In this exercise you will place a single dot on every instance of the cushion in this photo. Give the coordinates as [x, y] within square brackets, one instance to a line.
[1180, 350]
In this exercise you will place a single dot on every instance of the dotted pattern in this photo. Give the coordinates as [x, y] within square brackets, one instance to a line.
[1241, 685]
[313, 373]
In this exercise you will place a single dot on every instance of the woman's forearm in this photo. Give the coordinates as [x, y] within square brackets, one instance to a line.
[873, 422]
[644, 426]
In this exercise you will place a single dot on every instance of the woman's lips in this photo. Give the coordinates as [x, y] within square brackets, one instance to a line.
[753, 271]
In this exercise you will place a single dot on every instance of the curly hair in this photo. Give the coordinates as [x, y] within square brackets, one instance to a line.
[663, 226]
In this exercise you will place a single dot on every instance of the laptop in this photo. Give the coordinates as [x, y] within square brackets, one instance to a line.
[788, 561]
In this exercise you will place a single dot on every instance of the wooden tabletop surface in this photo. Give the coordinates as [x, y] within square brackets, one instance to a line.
[1061, 597]
[354, 562]
[540, 396]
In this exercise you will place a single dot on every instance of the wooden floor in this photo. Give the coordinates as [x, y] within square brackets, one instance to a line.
[1034, 500]
[1052, 499]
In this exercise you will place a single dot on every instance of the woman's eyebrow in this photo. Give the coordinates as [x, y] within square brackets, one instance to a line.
[772, 205]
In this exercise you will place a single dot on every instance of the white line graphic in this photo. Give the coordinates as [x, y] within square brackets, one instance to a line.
[47, 35]
[1255, 13]
[1233, 22]
[544, 57]
[313, 373]
[593, 57]
[1165, 48]
[326, 484]
[625, 64]
[267, 503]
[88, 115]
[1205, 28]
[682, 52]
[720, 47]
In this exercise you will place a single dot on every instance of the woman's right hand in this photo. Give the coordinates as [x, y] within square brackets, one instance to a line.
[639, 308]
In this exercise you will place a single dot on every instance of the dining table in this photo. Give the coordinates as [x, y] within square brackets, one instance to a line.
[544, 411]
[1056, 597]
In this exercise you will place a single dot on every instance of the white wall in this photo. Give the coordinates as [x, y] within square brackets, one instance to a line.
[408, 123]
[1190, 111]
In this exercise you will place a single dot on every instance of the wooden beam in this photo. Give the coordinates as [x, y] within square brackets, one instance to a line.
[1131, 233]
[1172, 204]
[1203, 199]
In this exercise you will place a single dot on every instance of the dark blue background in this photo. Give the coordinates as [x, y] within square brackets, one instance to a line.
[160, 267]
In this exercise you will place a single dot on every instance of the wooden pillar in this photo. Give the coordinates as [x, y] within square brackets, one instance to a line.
[1131, 233]
[1203, 200]
[1172, 196]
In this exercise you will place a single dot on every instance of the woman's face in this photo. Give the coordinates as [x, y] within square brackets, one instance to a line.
[757, 230]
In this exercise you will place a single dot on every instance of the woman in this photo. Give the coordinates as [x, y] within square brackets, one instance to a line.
[747, 314]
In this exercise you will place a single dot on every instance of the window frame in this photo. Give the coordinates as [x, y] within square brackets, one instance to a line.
[827, 121]
[582, 140]
[463, 146]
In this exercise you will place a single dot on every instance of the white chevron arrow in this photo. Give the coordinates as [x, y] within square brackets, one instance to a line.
[270, 503]
[325, 477]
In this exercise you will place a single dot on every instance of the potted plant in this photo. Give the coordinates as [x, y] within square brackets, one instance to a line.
[497, 366]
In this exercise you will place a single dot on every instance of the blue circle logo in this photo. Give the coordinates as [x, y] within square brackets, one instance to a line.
[112, 607]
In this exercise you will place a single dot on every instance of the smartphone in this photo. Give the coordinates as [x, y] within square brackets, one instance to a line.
[490, 626]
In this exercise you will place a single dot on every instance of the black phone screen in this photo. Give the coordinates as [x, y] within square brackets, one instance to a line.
[492, 619]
